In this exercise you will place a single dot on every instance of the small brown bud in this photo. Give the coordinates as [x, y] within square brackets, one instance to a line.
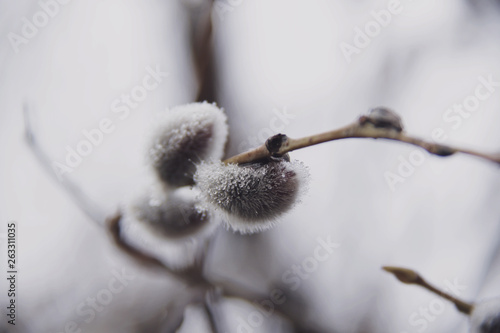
[382, 117]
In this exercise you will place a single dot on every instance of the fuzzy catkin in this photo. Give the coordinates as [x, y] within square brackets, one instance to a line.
[252, 196]
[185, 135]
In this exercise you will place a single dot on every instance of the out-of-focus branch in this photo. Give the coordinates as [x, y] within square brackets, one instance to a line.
[409, 276]
[192, 275]
[232, 289]
[86, 205]
[202, 50]
[364, 127]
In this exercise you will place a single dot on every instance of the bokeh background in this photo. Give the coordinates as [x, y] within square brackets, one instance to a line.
[271, 58]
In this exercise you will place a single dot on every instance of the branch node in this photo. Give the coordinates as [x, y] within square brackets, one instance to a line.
[382, 117]
[274, 144]
[443, 151]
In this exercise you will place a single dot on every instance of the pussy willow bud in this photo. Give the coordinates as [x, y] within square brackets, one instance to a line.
[382, 117]
[168, 225]
[485, 317]
[184, 136]
[252, 196]
[174, 215]
[404, 275]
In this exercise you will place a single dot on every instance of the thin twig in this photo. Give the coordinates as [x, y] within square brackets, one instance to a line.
[202, 50]
[280, 144]
[175, 314]
[211, 307]
[86, 205]
[409, 276]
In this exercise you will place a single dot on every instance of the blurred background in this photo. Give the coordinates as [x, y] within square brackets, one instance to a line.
[295, 67]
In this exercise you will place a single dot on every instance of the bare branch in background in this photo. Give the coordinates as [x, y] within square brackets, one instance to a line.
[202, 50]
[86, 205]
[409, 276]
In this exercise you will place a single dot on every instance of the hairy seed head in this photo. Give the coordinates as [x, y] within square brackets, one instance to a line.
[168, 226]
[253, 195]
[186, 135]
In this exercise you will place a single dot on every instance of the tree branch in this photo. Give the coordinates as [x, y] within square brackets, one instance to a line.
[212, 310]
[86, 205]
[409, 276]
[365, 127]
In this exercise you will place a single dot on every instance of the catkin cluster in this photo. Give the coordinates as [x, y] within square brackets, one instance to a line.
[197, 190]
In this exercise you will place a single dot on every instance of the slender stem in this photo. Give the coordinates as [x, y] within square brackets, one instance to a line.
[86, 205]
[211, 307]
[280, 144]
[409, 276]
[202, 49]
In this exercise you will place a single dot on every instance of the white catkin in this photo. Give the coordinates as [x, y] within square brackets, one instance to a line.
[147, 224]
[171, 214]
[184, 136]
[251, 197]
[485, 317]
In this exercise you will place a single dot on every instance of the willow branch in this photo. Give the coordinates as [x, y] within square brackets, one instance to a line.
[409, 276]
[212, 309]
[202, 49]
[364, 127]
